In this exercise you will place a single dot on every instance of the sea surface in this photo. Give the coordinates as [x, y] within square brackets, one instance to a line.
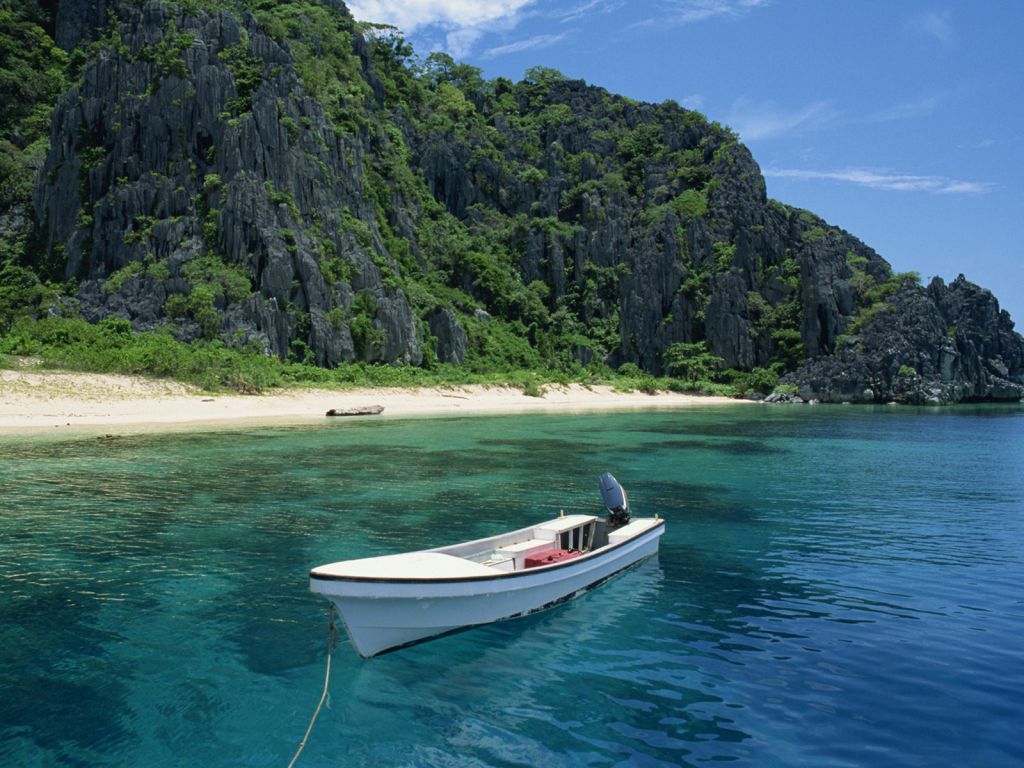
[837, 586]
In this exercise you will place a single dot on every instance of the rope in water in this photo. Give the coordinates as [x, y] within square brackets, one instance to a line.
[331, 639]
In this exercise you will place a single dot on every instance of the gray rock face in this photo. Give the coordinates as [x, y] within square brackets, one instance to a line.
[395, 320]
[140, 299]
[452, 341]
[260, 320]
[936, 345]
[157, 164]
[81, 20]
[787, 398]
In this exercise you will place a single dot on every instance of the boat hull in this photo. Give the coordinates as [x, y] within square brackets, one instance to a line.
[383, 615]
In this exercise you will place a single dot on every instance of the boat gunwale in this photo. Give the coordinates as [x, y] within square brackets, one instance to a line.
[586, 557]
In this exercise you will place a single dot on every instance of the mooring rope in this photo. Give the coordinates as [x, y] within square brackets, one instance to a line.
[331, 639]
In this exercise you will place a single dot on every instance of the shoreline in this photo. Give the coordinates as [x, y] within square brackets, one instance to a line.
[31, 402]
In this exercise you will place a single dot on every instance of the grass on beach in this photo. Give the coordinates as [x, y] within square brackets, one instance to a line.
[111, 347]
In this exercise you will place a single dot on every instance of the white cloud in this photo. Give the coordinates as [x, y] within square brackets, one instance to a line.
[953, 187]
[687, 11]
[530, 43]
[906, 110]
[693, 101]
[678, 12]
[938, 25]
[761, 121]
[459, 42]
[462, 22]
[896, 182]
[585, 9]
[410, 15]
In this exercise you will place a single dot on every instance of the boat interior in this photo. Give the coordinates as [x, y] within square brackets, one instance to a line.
[563, 538]
[549, 543]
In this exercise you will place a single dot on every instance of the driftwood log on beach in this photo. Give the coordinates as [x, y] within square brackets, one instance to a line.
[365, 410]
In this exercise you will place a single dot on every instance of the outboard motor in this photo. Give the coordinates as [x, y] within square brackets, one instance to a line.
[614, 496]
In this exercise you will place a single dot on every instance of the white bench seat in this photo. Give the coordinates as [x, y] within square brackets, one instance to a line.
[525, 546]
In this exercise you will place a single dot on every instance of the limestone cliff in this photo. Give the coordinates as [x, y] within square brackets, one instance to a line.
[275, 174]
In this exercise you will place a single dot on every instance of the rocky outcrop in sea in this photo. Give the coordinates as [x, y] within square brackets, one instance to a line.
[927, 346]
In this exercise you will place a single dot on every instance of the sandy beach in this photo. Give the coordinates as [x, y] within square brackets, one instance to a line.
[32, 400]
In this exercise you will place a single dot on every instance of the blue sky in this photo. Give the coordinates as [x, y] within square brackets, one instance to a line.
[901, 122]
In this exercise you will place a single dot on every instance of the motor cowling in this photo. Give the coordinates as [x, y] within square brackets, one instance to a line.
[615, 499]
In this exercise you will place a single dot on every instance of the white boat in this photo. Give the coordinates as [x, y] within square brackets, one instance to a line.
[392, 601]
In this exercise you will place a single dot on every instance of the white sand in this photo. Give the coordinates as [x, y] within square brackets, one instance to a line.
[30, 400]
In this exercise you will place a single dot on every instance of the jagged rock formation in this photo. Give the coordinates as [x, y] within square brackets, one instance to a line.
[936, 345]
[451, 337]
[279, 176]
[164, 153]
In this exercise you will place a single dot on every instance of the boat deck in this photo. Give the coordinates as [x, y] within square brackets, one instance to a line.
[516, 551]
[409, 565]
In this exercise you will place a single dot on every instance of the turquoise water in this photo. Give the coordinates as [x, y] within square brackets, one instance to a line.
[836, 587]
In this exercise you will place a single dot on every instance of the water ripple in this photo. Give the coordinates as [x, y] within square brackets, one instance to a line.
[835, 587]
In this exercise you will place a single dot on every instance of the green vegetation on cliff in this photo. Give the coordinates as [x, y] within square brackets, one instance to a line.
[110, 346]
[255, 192]
[32, 77]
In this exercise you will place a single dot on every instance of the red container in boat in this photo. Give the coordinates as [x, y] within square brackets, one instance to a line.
[551, 556]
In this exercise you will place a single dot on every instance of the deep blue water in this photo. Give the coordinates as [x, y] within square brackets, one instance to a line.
[837, 586]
